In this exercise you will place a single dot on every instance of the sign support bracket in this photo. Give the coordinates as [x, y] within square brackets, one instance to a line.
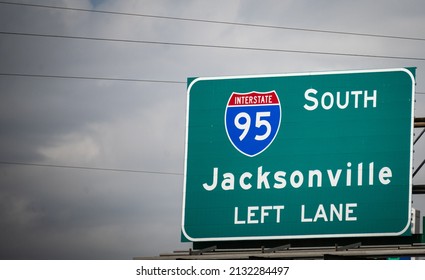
[276, 249]
[205, 250]
[347, 247]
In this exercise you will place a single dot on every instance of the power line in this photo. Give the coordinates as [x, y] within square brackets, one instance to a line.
[90, 168]
[91, 78]
[102, 78]
[207, 46]
[219, 22]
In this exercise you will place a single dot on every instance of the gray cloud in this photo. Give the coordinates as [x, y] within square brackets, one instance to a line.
[59, 213]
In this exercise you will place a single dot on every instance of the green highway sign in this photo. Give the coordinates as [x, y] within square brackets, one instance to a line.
[299, 155]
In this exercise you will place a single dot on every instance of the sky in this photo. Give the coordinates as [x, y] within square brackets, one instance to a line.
[93, 168]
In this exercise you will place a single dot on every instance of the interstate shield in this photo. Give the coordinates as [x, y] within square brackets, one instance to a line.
[252, 121]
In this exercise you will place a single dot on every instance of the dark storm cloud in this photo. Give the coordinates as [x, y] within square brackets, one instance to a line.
[72, 214]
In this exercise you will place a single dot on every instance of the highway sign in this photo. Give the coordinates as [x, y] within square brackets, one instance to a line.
[306, 155]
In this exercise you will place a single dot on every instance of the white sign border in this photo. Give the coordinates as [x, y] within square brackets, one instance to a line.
[186, 235]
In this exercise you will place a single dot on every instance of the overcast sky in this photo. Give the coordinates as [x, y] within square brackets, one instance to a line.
[49, 212]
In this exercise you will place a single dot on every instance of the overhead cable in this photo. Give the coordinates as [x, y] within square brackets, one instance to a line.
[89, 168]
[103, 78]
[218, 22]
[91, 78]
[207, 45]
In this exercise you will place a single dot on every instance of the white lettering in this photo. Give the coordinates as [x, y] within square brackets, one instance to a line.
[371, 173]
[296, 183]
[385, 176]
[265, 213]
[327, 100]
[360, 174]
[331, 100]
[266, 180]
[236, 221]
[356, 94]
[338, 100]
[251, 214]
[228, 182]
[349, 211]
[303, 219]
[242, 181]
[348, 174]
[370, 98]
[311, 175]
[278, 209]
[320, 214]
[334, 179]
[214, 183]
[262, 178]
[312, 99]
[279, 177]
[335, 213]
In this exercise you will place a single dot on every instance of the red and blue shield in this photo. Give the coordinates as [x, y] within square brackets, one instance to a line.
[252, 121]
